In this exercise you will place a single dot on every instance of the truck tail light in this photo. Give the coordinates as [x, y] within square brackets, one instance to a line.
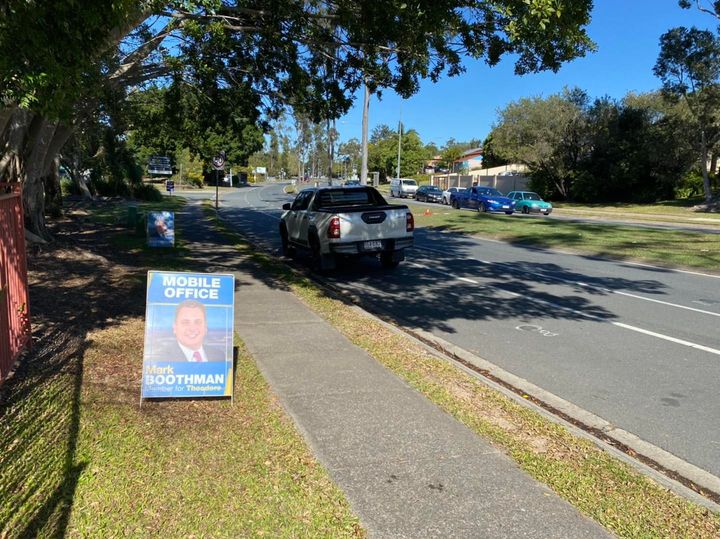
[410, 222]
[334, 228]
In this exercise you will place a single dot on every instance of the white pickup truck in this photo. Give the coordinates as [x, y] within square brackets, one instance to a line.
[346, 221]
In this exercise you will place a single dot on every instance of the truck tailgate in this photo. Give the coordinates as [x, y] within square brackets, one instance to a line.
[374, 224]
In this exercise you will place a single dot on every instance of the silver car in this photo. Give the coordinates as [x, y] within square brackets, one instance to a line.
[448, 193]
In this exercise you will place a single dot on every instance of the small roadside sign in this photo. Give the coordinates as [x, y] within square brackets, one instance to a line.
[219, 161]
[161, 229]
[170, 186]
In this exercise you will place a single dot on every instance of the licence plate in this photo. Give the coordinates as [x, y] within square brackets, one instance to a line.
[506, 207]
[372, 245]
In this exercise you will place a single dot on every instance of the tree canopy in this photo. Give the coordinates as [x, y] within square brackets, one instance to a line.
[60, 59]
[689, 67]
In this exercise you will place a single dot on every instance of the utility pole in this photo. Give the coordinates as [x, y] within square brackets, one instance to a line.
[331, 150]
[364, 163]
[397, 175]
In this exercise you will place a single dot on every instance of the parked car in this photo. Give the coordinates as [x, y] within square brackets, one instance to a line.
[428, 193]
[448, 194]
[529, 202]
[351, 183]
[346, 221]
[403, 187]
[484, 199]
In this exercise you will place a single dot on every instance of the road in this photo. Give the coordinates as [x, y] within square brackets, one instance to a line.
[636, 345]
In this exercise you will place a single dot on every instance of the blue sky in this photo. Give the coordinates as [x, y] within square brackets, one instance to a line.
[627, 34]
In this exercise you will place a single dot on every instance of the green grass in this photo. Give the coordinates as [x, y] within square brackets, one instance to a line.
[134, 240]
[194, 468]
[80, 458]
[665, 247]
[117, 213]
[676, 211]
[602, 487]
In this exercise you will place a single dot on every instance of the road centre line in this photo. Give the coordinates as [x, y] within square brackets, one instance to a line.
[672, 269]
[599, 319]
[574, 311]
[665, 303]
[668, 338]
[586, 285]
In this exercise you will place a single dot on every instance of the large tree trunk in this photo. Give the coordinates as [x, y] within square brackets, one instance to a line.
[704, 167]
[29, 146]
[38, 146]
[53, 191]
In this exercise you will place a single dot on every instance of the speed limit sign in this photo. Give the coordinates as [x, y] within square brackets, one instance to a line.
[219, 161]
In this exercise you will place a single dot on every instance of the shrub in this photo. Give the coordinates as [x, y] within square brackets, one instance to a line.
[148, 192]
[691, 185]
[195, 180]
[421, 179]
[110, 188]
[68, 187]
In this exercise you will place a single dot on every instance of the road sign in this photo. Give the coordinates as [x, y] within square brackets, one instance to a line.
[219, 161]
[260, 170]
[170, 186]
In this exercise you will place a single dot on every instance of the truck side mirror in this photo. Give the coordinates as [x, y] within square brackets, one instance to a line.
[286, 206]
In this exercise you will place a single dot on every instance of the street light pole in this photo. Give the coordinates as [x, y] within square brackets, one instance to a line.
[364, 163]
[397, 175]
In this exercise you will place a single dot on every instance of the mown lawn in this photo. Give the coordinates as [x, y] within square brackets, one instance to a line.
[79, 457]
[665, 247]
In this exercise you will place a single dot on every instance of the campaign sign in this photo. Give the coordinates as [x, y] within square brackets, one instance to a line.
[161, 229]
[188, 335]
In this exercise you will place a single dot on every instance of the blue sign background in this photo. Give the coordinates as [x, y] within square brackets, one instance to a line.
[161, 229]
[165, 376]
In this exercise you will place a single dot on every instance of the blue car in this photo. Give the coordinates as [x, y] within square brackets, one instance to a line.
[484, 199]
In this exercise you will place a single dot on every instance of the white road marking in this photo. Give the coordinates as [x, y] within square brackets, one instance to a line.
[586, 285]
[599, 319]
[666, 303]
[458, 278]
[671, 269]
[668, 338]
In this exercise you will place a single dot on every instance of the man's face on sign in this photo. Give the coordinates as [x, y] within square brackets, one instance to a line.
[190, 327]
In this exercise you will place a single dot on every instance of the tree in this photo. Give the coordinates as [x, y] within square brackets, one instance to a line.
[490, 157]
[636, 151]
[350, 153]
[313, 55]
[544, 134]
[689, 68]
[450, 154]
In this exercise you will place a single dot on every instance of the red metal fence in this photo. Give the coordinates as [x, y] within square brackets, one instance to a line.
[14, 306]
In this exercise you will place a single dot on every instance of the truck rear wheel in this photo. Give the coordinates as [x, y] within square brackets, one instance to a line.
[286, 249]
[391, 260]
[320, 262]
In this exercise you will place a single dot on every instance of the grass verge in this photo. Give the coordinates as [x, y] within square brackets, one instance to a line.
[79, 458]
[602, 487]
[194, 467]
[665, 247]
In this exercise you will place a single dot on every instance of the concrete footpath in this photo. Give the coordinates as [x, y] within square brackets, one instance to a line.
[407, 468]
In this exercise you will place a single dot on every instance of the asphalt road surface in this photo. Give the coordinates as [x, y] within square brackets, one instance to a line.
[636, 345]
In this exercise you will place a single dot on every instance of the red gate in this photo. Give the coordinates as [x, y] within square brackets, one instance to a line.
[14, 306]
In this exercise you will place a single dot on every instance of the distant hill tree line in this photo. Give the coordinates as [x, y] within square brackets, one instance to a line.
[303, 148]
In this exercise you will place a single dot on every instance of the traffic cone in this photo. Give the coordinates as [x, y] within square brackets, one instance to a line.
[427, 212]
